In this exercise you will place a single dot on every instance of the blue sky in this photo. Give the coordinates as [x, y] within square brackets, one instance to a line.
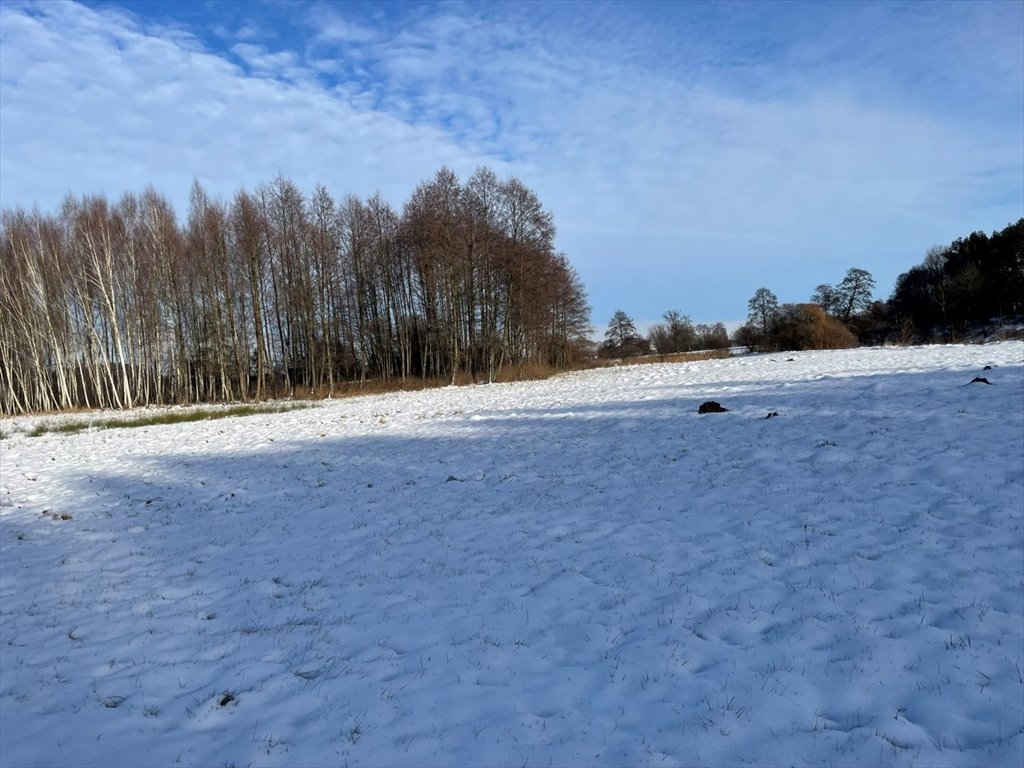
[690, 152]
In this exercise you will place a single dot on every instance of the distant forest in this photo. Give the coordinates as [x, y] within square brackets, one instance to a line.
[971, 288]
[969, 283]
[276, 293]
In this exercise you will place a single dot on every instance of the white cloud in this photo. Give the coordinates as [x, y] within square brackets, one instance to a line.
[91, 102]
[329, 26]
[250, 31]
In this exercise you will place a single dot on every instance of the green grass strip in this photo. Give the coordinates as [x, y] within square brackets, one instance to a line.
[170, 417]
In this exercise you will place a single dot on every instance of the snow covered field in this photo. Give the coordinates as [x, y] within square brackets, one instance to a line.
[581, 571]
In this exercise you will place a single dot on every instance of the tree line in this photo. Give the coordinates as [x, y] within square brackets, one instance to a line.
[828, 321]
[962, 285]
[676, 334]
[958, 290]
[976, 281]
[273, 292]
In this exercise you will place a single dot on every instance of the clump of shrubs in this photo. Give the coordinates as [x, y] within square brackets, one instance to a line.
[796, 327]
[808, 326]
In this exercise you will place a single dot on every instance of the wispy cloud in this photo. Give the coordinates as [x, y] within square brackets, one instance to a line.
[329, 26]
[723, 146]
[92, 102]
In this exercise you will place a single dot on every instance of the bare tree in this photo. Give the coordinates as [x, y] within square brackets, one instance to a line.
[763, 308]
[119, 305]
[675, 334]
[854, 293]
[827, 297]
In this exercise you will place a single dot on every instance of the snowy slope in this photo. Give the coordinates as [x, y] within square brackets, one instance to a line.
[581, 571]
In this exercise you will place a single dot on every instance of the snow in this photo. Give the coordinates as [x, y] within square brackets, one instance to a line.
[580, 571]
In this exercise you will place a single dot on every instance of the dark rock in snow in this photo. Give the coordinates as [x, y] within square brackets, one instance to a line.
[772, 414]
[711, 407]
[980, 380]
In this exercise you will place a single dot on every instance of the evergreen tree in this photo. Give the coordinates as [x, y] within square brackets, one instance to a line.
[621, 330]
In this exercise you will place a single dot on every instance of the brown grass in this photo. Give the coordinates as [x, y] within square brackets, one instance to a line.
[368, 387]
[676, 357]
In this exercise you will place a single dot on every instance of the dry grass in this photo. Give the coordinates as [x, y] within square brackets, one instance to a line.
[677, 357]
[531, 372]
[368, 387]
